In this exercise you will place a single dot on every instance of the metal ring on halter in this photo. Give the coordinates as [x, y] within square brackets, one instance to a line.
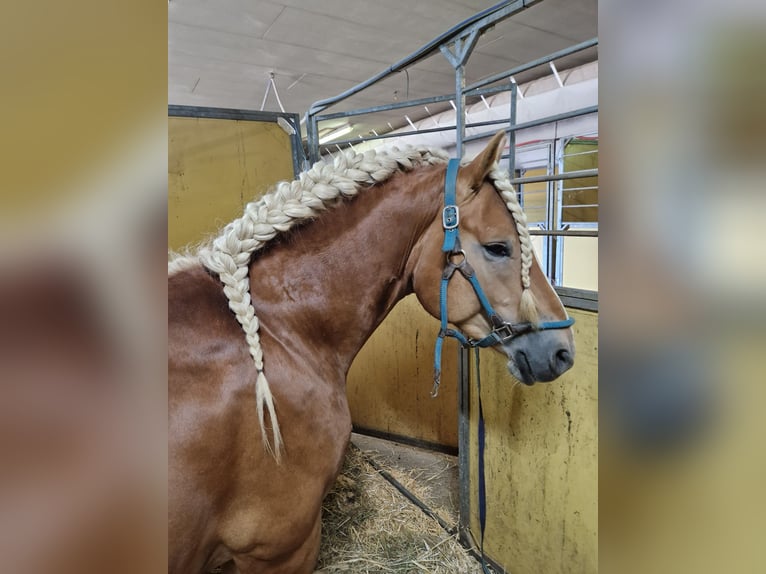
[457, 252]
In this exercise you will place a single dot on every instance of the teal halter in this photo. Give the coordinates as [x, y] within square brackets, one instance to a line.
[502, 331]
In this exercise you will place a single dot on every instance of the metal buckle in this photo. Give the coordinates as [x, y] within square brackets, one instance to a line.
[450, 217]
[508, 331]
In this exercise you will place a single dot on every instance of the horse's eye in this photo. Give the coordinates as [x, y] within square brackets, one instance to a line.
[497, 250]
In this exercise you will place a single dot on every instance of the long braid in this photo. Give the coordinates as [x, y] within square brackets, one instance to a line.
[290, 203]
[528, 306]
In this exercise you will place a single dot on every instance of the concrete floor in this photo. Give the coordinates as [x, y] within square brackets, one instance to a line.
[429, 475]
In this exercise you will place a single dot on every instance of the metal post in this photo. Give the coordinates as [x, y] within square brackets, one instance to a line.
[460, 110]
[551, 214]
[312, 138]
[457, 53]
[464, 487]
[512, 134]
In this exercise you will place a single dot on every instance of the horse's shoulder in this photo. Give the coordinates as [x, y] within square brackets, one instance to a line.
[194, 289]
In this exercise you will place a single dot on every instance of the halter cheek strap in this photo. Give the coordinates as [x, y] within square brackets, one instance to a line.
[502, 331]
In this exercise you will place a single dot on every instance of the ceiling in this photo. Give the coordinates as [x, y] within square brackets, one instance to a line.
[221, 53]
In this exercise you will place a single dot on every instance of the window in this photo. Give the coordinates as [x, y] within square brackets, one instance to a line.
[568, 207]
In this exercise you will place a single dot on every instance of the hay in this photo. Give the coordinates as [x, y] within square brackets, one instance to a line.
[369, 527]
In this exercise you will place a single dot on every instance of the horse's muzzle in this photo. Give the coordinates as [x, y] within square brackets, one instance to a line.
[542, 356]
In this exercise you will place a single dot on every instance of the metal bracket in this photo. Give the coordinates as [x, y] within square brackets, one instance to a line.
[458, 52]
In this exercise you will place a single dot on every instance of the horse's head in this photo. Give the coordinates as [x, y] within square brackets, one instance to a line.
[496, 249]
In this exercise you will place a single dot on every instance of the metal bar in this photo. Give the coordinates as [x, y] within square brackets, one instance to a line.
[480, 21]
[564, 233]
[538, 122]
[584, 188]
[407, 104]
[579, 205]
[402, 439]
[297, 145]
[533, 64]
[393, 135]
[550, 208]
[541, 121]
[585, 294]
[512, 133]
[177, 111]
[579, 174]
[408, 495]
[460, 111]
[386, 107]
[312, 139]
[589, 152]
[578, 298]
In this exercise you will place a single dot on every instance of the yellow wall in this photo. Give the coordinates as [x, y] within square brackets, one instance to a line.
[580, 268]
[390, 382]
[541, 463]
[215, 167]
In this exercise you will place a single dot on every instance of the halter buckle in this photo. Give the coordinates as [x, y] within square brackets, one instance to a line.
[507, 331]
[450, 217]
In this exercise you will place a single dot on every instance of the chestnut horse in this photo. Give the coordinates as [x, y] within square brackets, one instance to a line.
[258, 420]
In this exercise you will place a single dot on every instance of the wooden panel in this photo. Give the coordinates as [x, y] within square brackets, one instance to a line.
[215, 167]
[541, 463]
[390, 382]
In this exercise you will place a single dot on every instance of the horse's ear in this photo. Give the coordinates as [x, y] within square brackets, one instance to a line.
[474, 174]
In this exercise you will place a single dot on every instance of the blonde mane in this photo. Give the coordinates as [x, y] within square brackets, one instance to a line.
[228, 254]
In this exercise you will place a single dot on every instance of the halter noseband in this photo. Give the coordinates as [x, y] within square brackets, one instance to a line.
[502, 331]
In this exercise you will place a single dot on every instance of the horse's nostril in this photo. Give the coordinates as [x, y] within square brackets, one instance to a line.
[562, 361]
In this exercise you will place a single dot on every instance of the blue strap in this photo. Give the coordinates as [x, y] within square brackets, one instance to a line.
[442, 334]
[563, 324]
[482, 297]
[444, 331]
[451, 213]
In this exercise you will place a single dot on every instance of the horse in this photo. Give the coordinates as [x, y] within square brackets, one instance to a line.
[265, 320]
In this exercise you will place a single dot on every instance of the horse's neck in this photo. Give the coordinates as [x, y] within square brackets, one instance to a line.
[329, 284]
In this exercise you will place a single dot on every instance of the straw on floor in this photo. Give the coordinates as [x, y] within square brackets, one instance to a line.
[369, 527]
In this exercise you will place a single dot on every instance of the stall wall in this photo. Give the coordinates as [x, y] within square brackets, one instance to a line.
[389, 384]
[541, 463]
[215, 167]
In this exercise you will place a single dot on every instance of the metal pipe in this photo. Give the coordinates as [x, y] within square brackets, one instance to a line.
[512, 133]
[408, 104]
[312, 139]
[557, 177]
[482, 20]
[564, 233]
[534, 123]
[583, 188]
[408, 495]
[533, 64]
[460, 110]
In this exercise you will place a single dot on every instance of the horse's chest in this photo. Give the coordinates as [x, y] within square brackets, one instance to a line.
[277, 505]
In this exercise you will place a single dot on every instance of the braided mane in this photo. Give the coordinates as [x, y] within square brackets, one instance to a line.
[321, 187]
